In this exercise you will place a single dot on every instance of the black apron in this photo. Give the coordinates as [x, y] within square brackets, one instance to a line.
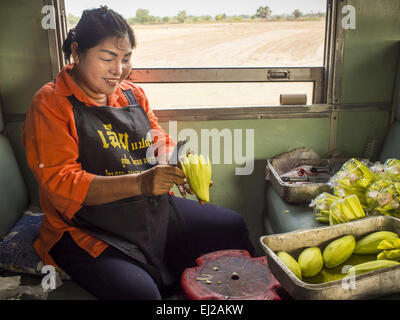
[114, 141]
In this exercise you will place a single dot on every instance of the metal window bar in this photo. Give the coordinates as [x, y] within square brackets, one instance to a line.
[56, 36]
[215, 75]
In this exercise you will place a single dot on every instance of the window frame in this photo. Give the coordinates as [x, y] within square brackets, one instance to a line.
[57, 36]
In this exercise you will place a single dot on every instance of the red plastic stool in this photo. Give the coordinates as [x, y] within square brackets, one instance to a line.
[229, 275]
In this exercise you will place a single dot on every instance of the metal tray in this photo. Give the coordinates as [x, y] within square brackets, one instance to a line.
[299, 193]
[364, 286]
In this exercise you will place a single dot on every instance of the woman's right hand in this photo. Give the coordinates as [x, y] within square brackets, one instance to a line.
[160, 179]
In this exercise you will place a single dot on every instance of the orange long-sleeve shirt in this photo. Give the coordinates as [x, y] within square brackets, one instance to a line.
[52, 150]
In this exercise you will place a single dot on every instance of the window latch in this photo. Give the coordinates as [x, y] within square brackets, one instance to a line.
[278, 74]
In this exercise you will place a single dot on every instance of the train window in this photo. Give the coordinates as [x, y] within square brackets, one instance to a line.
[228, 53]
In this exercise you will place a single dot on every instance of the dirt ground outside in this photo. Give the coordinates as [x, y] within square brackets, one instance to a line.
[247, 44]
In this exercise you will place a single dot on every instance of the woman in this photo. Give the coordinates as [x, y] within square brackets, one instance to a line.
[110, 222]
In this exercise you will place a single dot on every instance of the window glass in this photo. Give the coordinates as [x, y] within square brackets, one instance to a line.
[174, 95]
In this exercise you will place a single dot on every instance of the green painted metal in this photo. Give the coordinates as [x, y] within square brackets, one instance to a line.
[1, 119]
[371, 52]
[356, 128]
[24, 53]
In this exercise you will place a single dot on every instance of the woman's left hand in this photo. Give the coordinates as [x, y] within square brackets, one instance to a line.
[185, 187]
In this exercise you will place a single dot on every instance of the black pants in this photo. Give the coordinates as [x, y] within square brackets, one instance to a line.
[114, 275]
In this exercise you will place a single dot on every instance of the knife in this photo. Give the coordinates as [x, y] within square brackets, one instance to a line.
[173, 160]
[315, 179]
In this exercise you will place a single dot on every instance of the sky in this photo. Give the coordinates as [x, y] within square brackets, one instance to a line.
[127, 8]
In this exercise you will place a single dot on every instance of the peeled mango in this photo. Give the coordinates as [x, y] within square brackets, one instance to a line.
[389, 255]
[369, 244]
[290, 262]
[389, 244]
[391, 249]
[371, 266]
[338, 251]
[198, 174]
[310, 261]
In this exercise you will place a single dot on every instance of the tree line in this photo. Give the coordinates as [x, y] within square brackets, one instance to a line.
[143, 16]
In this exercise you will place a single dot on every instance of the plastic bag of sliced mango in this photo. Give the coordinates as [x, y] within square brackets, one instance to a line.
[376, 187]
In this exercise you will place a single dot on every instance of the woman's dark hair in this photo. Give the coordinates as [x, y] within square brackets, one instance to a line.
[95, 26]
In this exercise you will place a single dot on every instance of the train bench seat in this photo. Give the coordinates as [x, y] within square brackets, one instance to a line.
[14, 205]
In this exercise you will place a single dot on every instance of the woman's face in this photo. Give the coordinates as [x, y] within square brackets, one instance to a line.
[100, 69]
